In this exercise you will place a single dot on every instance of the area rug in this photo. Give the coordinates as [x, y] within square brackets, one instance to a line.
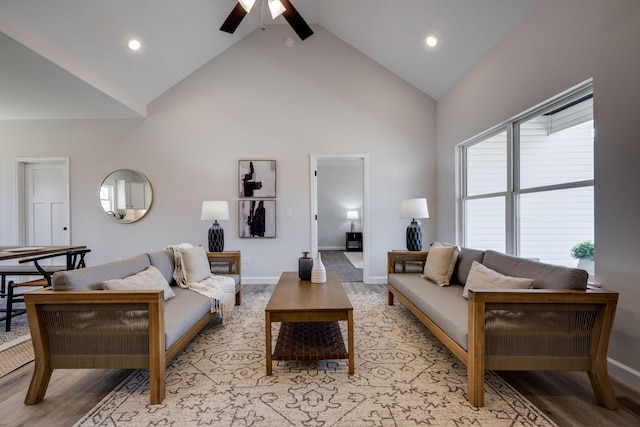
[15, 354]
[403, 377]
[336, 261]
[355, 258]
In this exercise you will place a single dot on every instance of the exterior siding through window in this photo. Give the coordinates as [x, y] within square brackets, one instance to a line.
[547, 207]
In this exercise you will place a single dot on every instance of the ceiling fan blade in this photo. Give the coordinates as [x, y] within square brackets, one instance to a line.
[294, 19]
[234, 19]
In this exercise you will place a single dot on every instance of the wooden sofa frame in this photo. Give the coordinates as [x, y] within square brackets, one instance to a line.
[481, 302]
[46, 308]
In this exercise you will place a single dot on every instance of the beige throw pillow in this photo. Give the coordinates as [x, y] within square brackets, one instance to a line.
[440, 263]
[148, 279]
[482, 277]
[195, 264]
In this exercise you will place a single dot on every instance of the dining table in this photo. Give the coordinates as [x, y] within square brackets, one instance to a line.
[15, 252]
[28, 258]
[25, 252]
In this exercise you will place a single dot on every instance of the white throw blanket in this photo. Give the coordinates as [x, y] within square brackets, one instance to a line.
[221, 290]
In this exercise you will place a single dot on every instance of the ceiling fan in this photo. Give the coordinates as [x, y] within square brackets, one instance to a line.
[276, 7]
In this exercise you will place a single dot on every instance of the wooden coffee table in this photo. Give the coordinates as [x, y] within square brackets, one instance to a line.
[296, 301]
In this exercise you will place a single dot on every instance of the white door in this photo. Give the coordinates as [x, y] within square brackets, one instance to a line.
[46, 204]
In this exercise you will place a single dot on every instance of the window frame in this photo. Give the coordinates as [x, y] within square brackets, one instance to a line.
[513, 191]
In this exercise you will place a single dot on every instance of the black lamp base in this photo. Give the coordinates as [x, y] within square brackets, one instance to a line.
[216, 238]
[414, 236]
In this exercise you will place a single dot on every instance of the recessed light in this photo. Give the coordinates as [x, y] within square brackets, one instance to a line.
[134, 44]
[432, 41]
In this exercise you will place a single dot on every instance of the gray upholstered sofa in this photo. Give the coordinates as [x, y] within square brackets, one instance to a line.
[559, 324]
[77, 324]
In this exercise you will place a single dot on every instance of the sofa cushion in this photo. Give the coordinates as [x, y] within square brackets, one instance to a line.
[195, 264]
[91, 278]
[148, 279]
[440, 263]
[163, 261]
[482, 277]
[466, 256]
[545, 276]
[443, 305]
[182, 312]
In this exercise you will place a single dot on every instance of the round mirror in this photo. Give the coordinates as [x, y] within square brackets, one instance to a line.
[125, 195]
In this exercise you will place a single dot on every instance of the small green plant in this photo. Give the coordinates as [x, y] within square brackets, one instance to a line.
[583, 250]
[121, 214]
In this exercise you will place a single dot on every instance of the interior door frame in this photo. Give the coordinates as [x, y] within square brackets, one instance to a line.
[20, 166]
[364, 222]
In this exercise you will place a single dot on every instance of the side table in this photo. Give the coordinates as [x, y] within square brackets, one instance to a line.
[354, 241]
[398, 261]
[227, 262]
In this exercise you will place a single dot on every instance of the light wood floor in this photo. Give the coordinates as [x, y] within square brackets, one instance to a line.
[566, 397]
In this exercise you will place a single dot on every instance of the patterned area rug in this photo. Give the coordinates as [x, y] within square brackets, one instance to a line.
[15, 354]
[403, 377]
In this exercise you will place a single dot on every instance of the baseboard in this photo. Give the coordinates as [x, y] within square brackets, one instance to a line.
[332, 248]
[624, 374]
[259, 280]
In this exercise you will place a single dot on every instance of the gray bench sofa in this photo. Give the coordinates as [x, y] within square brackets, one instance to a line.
[76, 324]
[559, 324]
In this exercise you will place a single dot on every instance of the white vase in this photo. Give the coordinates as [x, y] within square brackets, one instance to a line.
[318, 272]
[586, 264]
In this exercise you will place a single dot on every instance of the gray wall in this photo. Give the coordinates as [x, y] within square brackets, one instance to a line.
[560, 44]
[257, 100]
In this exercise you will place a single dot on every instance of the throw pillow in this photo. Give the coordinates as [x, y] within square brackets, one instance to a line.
[195, 264]
[149, 278]
[440, 263]
[482, 277]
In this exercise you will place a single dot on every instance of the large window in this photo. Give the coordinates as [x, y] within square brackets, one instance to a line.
[527, 185]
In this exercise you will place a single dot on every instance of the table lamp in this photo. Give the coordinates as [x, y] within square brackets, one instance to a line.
[352, 215]
[215, 210]
[414, 208]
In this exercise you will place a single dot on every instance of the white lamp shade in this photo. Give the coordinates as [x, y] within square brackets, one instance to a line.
[247, 4]
[352, 214]
[276, 8]
[414, 208]
[215, 209]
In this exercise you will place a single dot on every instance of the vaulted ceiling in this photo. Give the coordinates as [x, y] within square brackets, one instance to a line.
[68, 58]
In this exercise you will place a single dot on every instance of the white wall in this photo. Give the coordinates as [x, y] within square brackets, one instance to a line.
[258, 100]
[340, 188]
[560, 44]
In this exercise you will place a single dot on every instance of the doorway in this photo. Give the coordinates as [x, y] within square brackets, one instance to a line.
[43, 201]
[339, 191]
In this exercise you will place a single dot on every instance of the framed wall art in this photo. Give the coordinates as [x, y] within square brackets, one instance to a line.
[256, 218]
[257, 178]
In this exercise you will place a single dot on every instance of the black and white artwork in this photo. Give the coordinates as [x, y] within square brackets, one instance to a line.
[257, 218]
[257, 178]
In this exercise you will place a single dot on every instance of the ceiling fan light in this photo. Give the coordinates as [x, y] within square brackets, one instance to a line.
[432, 41]
[134, 44]
[247, 4]
[276, 8]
